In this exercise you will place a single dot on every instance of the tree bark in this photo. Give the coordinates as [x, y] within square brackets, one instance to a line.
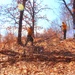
[33, 19]
[74, 14]
[20, 24]
[20, 27]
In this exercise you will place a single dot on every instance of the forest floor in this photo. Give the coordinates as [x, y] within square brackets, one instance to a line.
[47, 57]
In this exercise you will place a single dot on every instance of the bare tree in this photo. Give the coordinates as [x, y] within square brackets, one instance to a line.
[28, 16]
[72, 13]
[20, 24]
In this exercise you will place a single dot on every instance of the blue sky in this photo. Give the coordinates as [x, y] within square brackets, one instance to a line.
[52, 14]
[51, 3]
[2, 2]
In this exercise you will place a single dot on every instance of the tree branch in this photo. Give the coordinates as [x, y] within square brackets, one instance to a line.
[67, 7]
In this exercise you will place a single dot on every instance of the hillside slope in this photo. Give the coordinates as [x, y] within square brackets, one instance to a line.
[47, 57]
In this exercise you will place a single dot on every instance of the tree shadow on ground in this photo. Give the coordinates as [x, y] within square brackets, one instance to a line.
[38, 55]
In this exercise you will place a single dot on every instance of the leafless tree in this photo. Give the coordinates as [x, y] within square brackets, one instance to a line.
[71, 8]
[20, 23]
[31, 12]
[29, 16]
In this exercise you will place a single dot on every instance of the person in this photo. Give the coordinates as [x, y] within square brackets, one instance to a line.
[64, 28]
[29, 36]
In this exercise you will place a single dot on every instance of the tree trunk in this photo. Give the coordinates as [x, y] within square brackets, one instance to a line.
[74, 17]
[20, 27]
[33, 18]
[20, 24]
